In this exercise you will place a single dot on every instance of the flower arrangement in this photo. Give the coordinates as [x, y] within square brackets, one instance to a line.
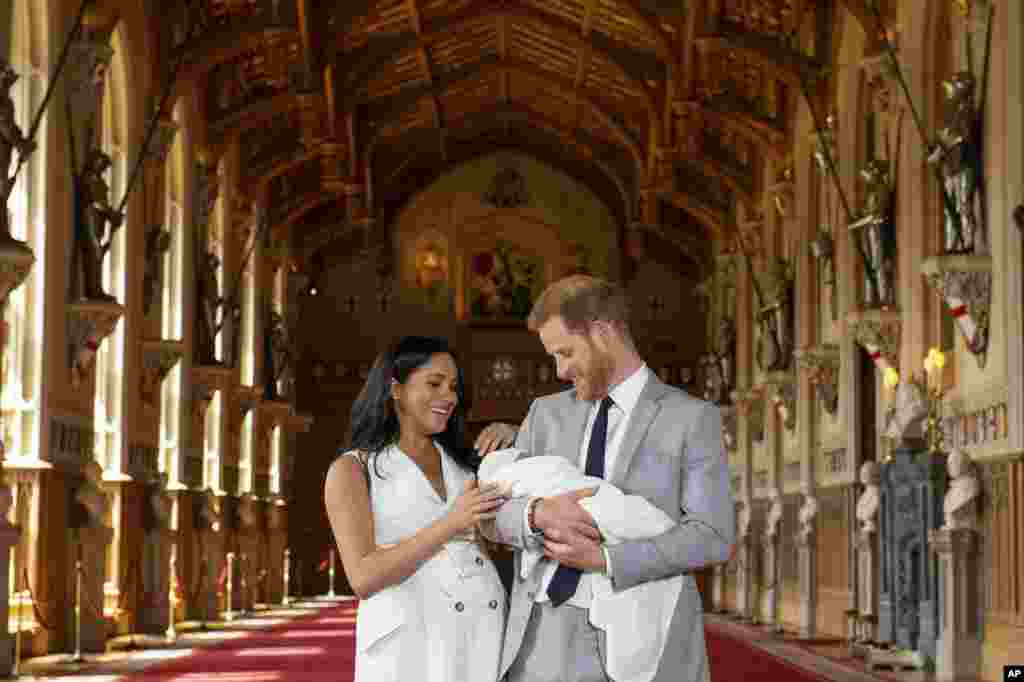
[503, 283]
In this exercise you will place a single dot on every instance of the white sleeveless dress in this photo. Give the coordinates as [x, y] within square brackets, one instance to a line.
[445, 622]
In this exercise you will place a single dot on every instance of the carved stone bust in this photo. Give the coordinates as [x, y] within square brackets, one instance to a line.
[910, 412]
[807, 516]
[961, 503]
[868, 502]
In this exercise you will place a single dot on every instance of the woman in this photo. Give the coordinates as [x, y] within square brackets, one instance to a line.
[403, 504]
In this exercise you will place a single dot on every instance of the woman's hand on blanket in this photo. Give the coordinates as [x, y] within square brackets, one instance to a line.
[562, 517]
[495, 437]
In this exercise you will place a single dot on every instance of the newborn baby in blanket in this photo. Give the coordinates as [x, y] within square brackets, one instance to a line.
[627, 616]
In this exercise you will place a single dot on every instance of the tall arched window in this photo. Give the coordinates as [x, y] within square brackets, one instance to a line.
[275, 460]
[23, 315]
[171, 317]
[248, 322]
[215, 246]
[277, 304]
[110, 356]
[211, 445]
[245, 463]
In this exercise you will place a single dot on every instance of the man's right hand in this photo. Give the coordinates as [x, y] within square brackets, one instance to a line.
[564, 515]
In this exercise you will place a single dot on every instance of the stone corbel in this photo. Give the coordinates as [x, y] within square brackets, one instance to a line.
[821, 364]
[298, 423]
[16, 261]
[878, 331]
[89, 322]
[158, 358]
[781, 390]
[965, 284]
[247, 398]
[750, 406]
[728, 428]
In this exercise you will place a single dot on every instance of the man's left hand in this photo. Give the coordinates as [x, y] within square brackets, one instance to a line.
[574, 550]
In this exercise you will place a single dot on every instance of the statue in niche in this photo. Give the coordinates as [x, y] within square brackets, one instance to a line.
[870, 499]
[958, 150]
[775, 319]
[714, 390]
[876, 234]
[11, 139]
[825, 146]
[92, 237]
[280, 357]
[158, 241]
[910, 412]
[807, 516]
[960, 505]
[210, 306]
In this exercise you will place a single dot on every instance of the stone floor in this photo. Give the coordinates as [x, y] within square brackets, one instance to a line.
[827, 657]
[132, 654]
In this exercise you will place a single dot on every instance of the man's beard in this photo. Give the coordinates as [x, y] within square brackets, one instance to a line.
[597, 379]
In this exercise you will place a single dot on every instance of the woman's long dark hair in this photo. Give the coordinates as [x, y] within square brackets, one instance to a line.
[374, 423]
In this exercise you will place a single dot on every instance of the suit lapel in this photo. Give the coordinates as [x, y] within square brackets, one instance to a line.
[575, 427]
[647, 408]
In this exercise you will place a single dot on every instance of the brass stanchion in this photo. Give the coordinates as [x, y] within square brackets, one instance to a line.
[17, 636]
[78, 658]
[287, 598]
[229, 613]
[172, 597]
[330, 576]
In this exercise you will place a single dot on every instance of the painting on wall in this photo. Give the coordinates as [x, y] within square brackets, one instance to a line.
[431, 263]
[503, 283]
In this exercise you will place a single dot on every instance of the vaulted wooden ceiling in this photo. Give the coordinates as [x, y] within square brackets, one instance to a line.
[345, 108]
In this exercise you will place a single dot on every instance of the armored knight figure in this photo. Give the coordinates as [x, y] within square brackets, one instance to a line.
[876, 234]
[11, 138]
[280, 355]
[158, 241]
[210, 302]
[825, 146]
[958, 149]
[91, 234]
[775, 319]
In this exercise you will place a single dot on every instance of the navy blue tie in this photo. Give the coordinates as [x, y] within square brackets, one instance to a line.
[567, 578]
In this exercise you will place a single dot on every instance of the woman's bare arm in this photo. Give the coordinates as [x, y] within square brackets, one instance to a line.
[369, 568]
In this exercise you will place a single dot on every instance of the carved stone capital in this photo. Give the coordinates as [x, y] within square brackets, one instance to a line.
[750, 406]
[821, 364]
[209, 379]
[780, 388]
[965, 284]
[16, 261]
[89, 322]
[878, 331]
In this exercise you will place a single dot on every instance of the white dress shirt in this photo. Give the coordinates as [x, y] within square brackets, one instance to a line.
[625, 396]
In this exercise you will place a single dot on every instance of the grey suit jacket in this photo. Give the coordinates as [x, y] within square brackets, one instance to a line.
[671, 454]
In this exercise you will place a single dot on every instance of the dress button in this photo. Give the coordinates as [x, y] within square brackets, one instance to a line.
[493, 604]
[479, 561]
[459, 606]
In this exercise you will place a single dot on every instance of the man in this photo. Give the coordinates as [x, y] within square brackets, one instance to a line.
[620, 423]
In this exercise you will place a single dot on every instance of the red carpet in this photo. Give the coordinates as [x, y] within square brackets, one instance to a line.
[321, 648]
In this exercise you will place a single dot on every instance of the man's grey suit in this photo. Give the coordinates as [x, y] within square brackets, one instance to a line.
[672, 455]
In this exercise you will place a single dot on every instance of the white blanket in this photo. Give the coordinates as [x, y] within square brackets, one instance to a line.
[635, 621]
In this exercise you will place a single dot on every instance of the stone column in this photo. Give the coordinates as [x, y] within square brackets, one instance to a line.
[154, 616]
[89, 539]
[9, 536]
[867, 553]
[959, 646]
[770, 543]
[744, 562]
[807, 560]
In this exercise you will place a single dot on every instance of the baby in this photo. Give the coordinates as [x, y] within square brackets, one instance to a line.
[619, 517]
